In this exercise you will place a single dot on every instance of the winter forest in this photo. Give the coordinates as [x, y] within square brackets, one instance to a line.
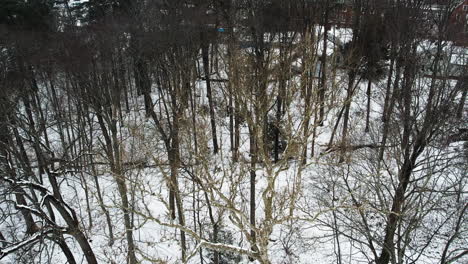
[233, 131]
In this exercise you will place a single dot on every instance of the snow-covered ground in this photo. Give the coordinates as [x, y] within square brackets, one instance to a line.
[319, 212]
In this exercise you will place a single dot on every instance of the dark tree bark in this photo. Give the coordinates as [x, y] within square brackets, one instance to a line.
[463, 84]
[253, 164]
[60, 241]
[209, 95]
[323, 68]
[368, 94]
[389, 110]
[347, 107]
[414, 141]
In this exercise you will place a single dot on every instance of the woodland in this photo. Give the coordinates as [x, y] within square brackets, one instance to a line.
[233, 131]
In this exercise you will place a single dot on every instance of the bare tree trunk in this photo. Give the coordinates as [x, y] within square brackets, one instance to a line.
[31, 226]
[206, 68]
[308, 105]
[103, 208]
[113, 152]
[174, 160]
[60, 241]
[323, 68]
[193, 107]
[368, 93]
[85, 247]
[253, 164]
[69, 216]
[463, 83]
[279, 104]
[122, 187]
[394, 215]
[314, 134]
[389, 86]
[347, 107]
[3, 241]
[336, 227]
[237, 121]
[411, 150]
[90, 143]
[389, 110]
[231, 120]
[171, 142]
